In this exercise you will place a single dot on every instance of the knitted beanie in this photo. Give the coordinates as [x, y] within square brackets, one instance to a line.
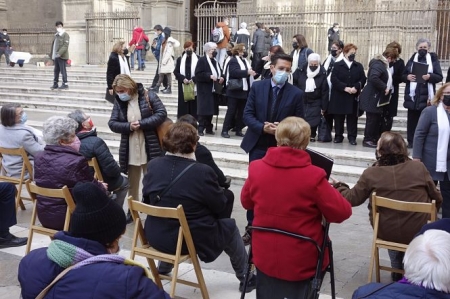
[96, 217]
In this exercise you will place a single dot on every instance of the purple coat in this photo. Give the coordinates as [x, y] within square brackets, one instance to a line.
[98, 280]
[58, 166]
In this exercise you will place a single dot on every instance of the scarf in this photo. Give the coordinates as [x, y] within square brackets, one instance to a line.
[348, 62]
[443, 138]
[190, 156]
[243, 68]
[310, 83]
[413, 85]
[194, 61]
[389, 82]
[124, 69]
[295, 60]
[65, 255]
[214, 71]
[326, 65]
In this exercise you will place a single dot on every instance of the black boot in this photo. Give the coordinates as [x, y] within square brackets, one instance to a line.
[54, 86]
[129, 217]
[168, 90]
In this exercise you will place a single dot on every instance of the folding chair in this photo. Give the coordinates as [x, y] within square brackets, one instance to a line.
[34, 190]
[18, 181]
[150, 253]
[404, 206]
[94, 164]
[319, 275]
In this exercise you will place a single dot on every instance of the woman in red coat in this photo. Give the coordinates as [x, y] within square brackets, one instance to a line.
[288, 193]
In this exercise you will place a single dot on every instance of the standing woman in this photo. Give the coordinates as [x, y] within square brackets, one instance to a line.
[299, 55]
[313, 80]
[206, 73]
[136, 115]
[378, 89]
[266, 73]
[348, 79]
[184, 72]
[167, 65]
[432, 145]
[238, 69]
[117, 64]
[419, 95]
[396, 68]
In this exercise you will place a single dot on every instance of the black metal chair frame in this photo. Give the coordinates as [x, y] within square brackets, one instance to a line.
[317, 280]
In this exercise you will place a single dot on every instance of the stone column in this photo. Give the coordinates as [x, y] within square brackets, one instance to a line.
[3, 18]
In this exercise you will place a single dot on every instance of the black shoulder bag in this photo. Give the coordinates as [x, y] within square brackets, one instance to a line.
[158, 197]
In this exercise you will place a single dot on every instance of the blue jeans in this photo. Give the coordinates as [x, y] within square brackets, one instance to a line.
[139, 59]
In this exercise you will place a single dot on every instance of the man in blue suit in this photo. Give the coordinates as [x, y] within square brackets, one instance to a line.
[269, 102]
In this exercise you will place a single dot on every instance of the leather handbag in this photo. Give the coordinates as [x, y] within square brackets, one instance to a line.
[235, 84]
[162, 129]
[110, 98]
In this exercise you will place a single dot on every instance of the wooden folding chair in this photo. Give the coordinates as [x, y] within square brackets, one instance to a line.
[151, 253]
[316, 281]
[404, 206]
[34, 190]
[97, 173]
[18, 181]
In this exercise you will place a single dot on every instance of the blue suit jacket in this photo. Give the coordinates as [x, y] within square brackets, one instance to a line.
[255, 112]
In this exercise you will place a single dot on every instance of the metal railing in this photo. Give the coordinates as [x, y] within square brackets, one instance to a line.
[36, 40]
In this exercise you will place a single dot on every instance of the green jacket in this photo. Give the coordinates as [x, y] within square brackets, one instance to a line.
[63, 45]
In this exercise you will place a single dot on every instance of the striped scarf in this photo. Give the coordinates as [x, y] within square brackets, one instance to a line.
[65, 255]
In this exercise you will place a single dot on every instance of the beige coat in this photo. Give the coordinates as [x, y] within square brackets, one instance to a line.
[409, 181]
[167, 64]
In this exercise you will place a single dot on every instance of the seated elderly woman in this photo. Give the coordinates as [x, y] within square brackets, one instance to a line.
[427, 260]
[395, 176]
[59, 165]
[203, 200]
[89, 250]
[286, 265]
[14, 133]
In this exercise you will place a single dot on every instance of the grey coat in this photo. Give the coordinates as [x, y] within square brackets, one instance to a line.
[259, 38]
[425, 142]
[19, 135]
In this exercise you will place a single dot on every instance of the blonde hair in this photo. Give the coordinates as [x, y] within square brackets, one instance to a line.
[437, 97]
[294, 132]
[125, 81]
[118, 47]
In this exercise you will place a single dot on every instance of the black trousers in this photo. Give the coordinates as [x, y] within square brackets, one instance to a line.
[60, 67]
[4, 51]
[268, 287]
[235, 110]
[7, 207]
[352, 126]
[330, 120]
[226, 213]
[156, 78]
[372, 129]
[205, 122]
[411, 124]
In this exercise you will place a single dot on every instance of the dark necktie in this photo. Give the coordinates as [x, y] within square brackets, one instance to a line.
[275, 91]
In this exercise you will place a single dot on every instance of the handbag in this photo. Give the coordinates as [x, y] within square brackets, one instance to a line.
[324, 134]
[162, 129]
[110, 98]
[235, 84]
[132, 48]
[188, 92]
[218, 88]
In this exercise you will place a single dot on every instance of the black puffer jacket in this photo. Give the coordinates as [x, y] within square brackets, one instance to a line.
[151, 119]
[93, 146]
[376, 86]
[421, 97]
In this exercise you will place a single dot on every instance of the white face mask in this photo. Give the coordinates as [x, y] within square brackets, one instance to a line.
[5, 33]
[59, 30]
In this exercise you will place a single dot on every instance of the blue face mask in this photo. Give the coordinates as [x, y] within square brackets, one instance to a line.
[23, 118]
[280, 77]
[124, 97]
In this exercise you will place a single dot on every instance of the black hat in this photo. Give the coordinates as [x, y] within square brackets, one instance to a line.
[96, 217]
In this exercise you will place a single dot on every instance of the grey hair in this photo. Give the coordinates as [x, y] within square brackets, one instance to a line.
[208, 46]
[58, 128]
[314, 57]
[79, 117]
[423, 40]
[427, 260]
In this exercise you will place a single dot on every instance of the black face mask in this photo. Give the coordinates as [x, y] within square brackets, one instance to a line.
[446, 100]
[313, 68]
[214, 54]
[295, 45]
[189, 52]
[229, 53]
[334, 53]
[422, 52]
[245, 55]
[351, 57]
[125, 51]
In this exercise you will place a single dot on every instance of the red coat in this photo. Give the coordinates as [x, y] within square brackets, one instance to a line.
[288, 193]
[138, 36]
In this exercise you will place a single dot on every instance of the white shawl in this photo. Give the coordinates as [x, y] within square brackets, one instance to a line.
[295, 59]
[327, 62]
[413, 85]
[193, 64]
[242, 66]
[215, 72]
[124, 69]
[443, 138]
[310, 83]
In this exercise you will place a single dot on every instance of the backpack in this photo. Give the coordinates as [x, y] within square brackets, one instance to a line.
[217, 35]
